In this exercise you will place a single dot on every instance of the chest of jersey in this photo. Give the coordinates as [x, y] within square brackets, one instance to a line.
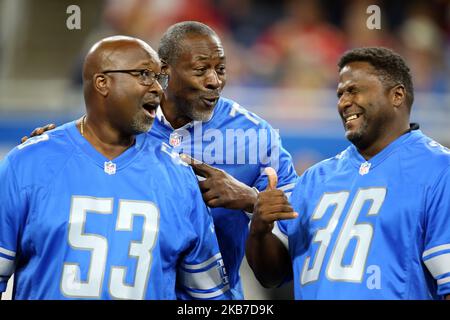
[359, 233]
[109, 234]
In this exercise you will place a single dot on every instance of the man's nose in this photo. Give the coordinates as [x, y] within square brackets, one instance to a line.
[344, 101]
[156, 89]
[213, 81]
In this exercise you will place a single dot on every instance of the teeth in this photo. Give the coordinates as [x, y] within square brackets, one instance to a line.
[352, 117]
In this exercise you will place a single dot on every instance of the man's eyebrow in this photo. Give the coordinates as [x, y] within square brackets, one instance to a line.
[205, 57]
[344, 87]
[201, 58]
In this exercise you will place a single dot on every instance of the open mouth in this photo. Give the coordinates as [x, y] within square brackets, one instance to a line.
[351, 117]
[210, 101]
[150, 108]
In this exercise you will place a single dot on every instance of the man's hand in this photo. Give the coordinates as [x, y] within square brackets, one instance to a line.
[38, 131]
[220, 189]
[271, 205]
[266, 255]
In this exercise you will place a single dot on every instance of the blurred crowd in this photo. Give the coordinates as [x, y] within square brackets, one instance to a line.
[296, 43]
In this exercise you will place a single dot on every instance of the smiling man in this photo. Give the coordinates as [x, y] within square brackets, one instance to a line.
[373, 222]
[90, 210]
[231, 145]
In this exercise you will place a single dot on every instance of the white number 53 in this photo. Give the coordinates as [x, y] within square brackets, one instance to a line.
[72, 286]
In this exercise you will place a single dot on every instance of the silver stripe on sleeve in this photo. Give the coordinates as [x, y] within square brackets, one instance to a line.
[208, 295]
[438, 265]
[286, 187]
[218, 256]
[6, 267]
[10, 253]
[205, 280]
[436, 249]
[443, 280]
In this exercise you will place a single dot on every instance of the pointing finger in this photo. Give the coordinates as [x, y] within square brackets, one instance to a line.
[200, 168]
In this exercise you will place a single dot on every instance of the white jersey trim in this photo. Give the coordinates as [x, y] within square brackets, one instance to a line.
[438, 265]
[435, 249]
[205, 280]
[209, 295]
[218, 256]
[7, 252]
[443, 281]
[287, 187]
[6, 267]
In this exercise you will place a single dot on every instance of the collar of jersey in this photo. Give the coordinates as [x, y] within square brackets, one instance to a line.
[162, 119]
[357, 159]
[122, 161]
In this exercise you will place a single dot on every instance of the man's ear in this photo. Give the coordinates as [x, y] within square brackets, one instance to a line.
[101, 84]
[165, 68]
[398, 95]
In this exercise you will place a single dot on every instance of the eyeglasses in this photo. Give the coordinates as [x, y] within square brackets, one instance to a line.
[146, 77]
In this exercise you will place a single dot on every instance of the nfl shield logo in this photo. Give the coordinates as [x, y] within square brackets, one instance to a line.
[175, 139]
[364, 168]
[110, 167]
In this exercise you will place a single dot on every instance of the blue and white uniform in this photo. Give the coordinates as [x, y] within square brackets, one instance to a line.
[74, 225]
[377, 229]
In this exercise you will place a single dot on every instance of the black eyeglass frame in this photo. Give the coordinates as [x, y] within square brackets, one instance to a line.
[161, 78]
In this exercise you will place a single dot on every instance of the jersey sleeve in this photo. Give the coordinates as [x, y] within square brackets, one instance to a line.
[436, 254]
[12, 207]
[278, 158]
[202, 274]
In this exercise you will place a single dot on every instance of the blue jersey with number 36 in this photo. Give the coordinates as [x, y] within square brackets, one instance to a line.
[75, 226]
[374, 230]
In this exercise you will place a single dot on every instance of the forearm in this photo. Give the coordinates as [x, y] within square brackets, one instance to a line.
[269, 259]
[250, 199]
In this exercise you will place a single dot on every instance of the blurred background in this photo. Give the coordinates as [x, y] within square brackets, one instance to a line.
[281, 61]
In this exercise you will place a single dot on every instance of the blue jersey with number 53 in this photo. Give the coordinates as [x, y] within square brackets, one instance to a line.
[374, 230]
[74, 225]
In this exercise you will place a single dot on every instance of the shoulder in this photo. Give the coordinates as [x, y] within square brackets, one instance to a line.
[236, 115]
[320, 172]
[51, 143]
[331, 164]
[167, 160]
[42, 154]
[427, 154]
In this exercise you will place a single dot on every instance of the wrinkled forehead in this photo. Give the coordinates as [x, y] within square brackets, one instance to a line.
[356, 72]
[131, 56]
[196, 47]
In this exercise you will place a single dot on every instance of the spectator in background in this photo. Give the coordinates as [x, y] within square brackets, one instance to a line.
[423, 45]
[354, 26]
[299, 51]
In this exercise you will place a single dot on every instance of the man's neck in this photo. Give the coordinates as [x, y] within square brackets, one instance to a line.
[372, 150]
[106, 140]
[172, 115]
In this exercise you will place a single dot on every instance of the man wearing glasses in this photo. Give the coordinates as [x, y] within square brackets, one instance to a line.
[197, 121]
[90, 210]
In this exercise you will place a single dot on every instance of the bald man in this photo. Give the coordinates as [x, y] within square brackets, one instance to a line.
[90, 210]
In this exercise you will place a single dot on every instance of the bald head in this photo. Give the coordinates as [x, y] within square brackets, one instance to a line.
[114, 53]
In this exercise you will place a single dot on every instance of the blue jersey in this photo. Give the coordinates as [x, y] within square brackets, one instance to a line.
[74, 225]
[377, 229]
[242, 144]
